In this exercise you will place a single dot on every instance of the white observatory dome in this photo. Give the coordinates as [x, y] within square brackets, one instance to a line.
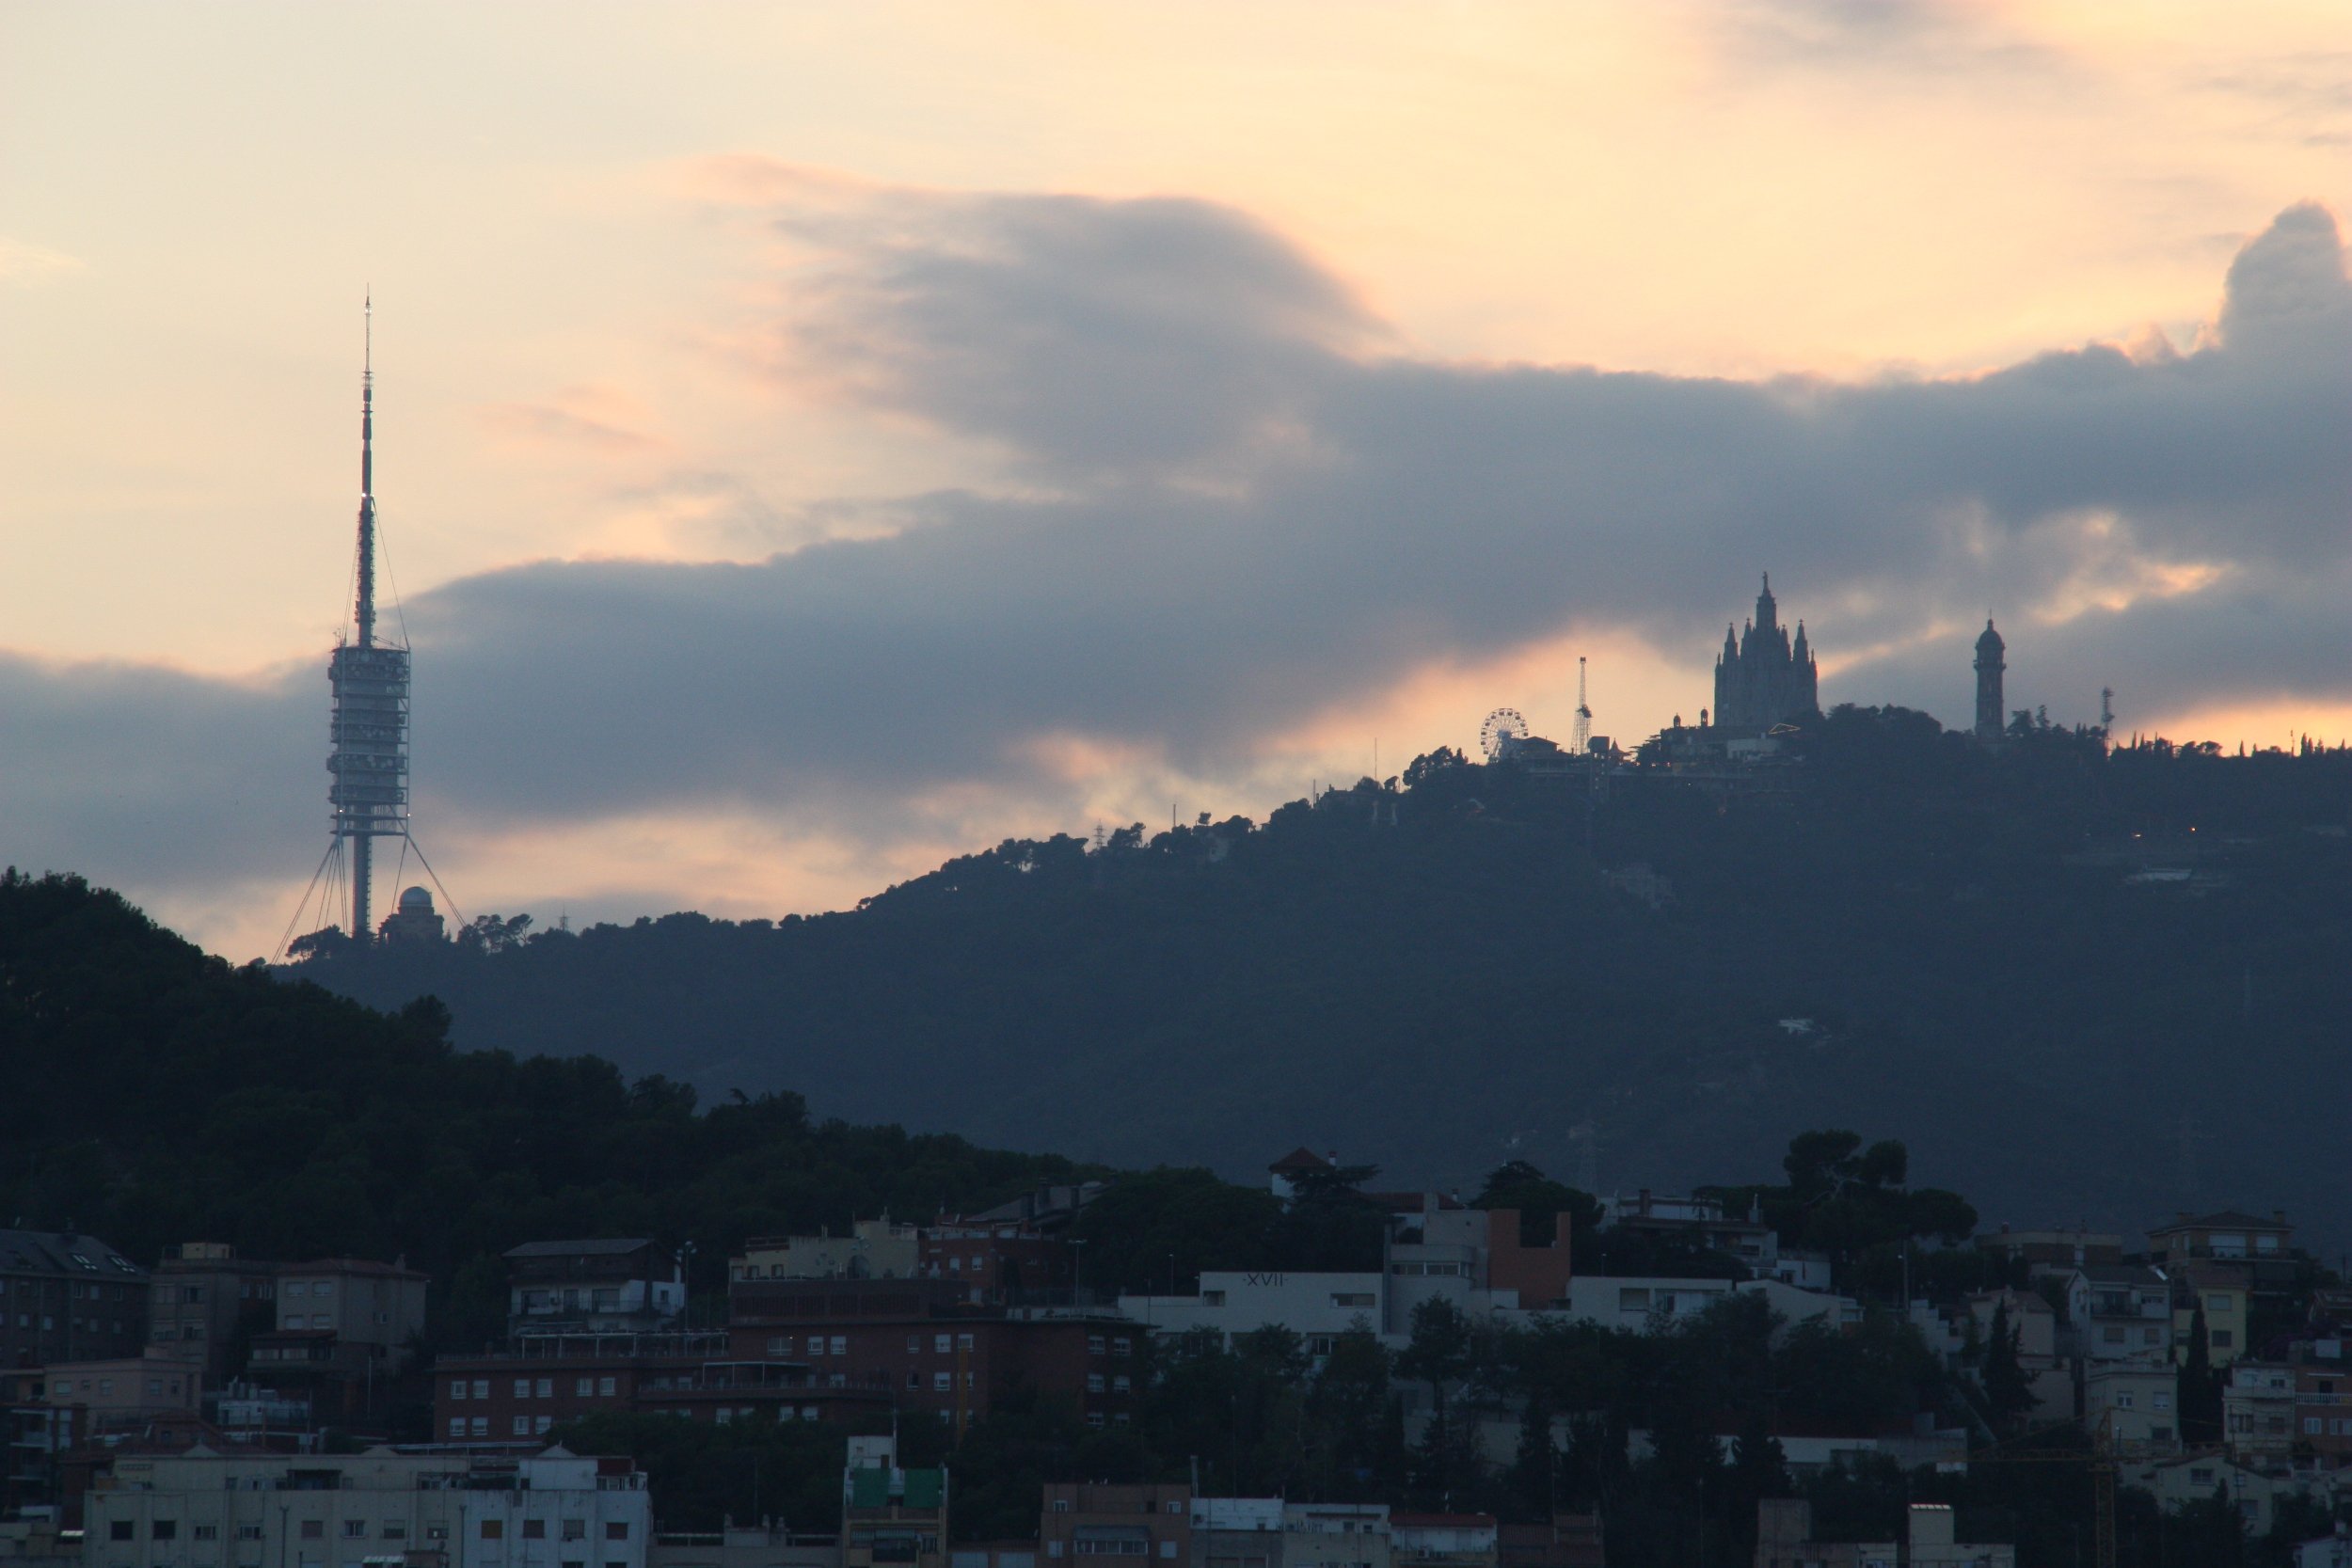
[415, 900]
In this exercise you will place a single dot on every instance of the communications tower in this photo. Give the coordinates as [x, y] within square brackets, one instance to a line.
[369, 679]
[1584, 712]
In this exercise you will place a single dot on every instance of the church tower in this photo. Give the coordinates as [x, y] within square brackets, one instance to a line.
[1760, 680]
[1989, 666]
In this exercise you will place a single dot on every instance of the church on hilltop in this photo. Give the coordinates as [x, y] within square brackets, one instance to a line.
[1762, 680]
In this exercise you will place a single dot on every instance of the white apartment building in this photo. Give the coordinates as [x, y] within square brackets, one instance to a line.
[208, 1510]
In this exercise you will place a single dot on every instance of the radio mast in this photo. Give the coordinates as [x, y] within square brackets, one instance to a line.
[369, 679]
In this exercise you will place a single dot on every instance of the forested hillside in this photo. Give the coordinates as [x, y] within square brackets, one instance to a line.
[2080, 985]
[151, 1095]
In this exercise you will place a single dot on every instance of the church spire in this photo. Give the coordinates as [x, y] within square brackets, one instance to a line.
[1764, 605]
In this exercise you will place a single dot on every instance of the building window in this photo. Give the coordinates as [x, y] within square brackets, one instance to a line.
[1062, 1505]
[1122, 1346]
[163, 1529]
[355, 1530]
[394, 1529]
[2221, 1338]
[942, 1382]
[547, 1387]
[2111, 1335]
[1122, 1384]
[914, 1380]
[482, 1388]
[313, 1529]
[963, 1341]
[457, 1426]
[1095, 1344]
[816, 1345]
[248, 1532]
[584, 1387]
[939, 1344]
[1094, 1383]
[458, 1387]
[605, 1386]
[207, 1532]
[1168, 1548]
[2123, 1399]
[522, 1387]
[575, 1529]
[617, 1530]
[534, 1530]
[481, 1426]
[493, 1529]
[542, 1424]
[841, 1344]
[2217, 1303]
[118, 1529]
[521, 1427]
[915, 1344]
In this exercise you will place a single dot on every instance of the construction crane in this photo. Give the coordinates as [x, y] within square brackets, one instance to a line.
[1584, 712]
[2098, 1465]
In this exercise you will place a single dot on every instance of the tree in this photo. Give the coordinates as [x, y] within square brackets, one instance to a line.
[2006, 1387]
[1540, 1201]
[2198, 1389]
[1534, 1479]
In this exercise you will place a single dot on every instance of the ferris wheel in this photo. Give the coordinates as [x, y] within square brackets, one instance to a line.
[1504, 728]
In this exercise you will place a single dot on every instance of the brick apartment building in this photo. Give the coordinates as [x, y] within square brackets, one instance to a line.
[923, 1343]
[996, 1261]
[68, 1297]
[519, 1395]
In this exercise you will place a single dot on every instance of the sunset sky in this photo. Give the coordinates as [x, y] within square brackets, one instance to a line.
[816, 440]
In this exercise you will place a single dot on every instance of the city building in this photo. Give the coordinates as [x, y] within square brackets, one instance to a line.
[1237, 1532]
[68, 1297]
[2119, 1312]
[1564, 1540]
[998, 1261]
[2220, 1292]
[1783, 1539]
[2258, 1413]
[123, 1392]
[2053, 1250]
[2129, 1406]
[1444, 1540]
[2226, 1235]
[889, 1515]
[1930, 1527]
[2323, 1402]
[1762, 680]
[208, 1510]
[346, 1334]
[203, 1301]
[1697, 1222]
[1335, 1535]
[1084, 1519]
[922, 1344]
[543, 1381]
[873, 1249]
[625, 1286]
